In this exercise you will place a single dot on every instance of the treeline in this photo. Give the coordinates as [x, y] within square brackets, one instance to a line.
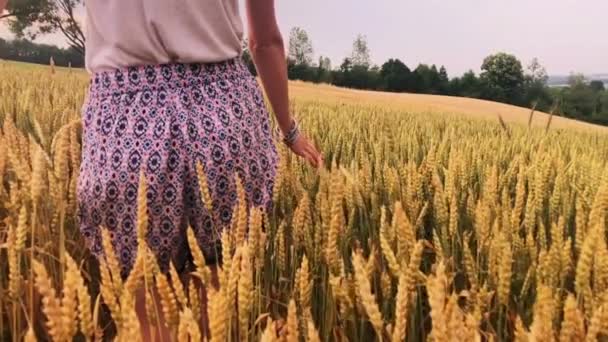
[26, 51]
[503, 78]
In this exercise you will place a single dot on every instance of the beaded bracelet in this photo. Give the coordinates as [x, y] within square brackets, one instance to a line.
[293, 134]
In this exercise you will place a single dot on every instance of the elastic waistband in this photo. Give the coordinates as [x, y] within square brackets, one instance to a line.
[164, 76]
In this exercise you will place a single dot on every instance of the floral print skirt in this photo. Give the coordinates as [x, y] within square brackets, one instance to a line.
[162, 120]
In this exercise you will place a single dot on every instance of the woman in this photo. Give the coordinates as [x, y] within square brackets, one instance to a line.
[168, 91]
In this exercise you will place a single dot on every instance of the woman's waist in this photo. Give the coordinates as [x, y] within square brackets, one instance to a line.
[164, 76]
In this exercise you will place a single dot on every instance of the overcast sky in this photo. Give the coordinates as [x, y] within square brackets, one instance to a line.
[565, 35]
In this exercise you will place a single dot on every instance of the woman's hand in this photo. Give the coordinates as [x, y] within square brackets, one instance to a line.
[305, 149]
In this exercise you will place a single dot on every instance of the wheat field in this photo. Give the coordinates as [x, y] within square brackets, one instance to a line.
[427, 223]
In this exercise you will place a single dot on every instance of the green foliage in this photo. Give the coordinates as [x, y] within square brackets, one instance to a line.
[300, 55]
[323, 74]
[536, 92]
[583, 100]
[504, 77]
[536, 72]
[444, 81]
[597, 86]
[26, 51]
[428, 79]
[469, 85]
[604, 106]
[396, 76]
[357, 76]
[34, 17]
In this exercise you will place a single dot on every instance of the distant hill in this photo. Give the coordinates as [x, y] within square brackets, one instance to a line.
[562, 80]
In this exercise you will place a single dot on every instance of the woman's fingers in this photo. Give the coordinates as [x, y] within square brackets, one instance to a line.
[305, 149]
[312, 158]
[316, 155]
[303, 153]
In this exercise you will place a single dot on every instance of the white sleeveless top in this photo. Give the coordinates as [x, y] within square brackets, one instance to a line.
[122, 33]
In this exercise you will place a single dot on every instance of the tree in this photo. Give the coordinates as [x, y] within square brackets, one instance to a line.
[362, 77]
[361, 54]
[26, 51]
[504, 76]
[536, 72]
[356, 76]
[435, 80]
[444, 81]
[536, 92]
[597, 86]
[578, 101]
[300, 47]
[346, 65]
[395, 76]
[428, 79]
[324, 63]
[324, 70]
[577, 81]
[469, 85]
[34, 17]
[604, 107]
[455, 87]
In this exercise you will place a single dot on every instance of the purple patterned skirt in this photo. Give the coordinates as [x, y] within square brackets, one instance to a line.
[162, 120]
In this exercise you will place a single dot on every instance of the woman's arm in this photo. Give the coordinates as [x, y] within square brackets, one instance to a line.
[3, 5]
[268, 52]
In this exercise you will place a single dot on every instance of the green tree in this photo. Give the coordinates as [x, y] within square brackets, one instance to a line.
[469, 85]
[428, 79]
[362, 77]
[597, 86]
[26, 51]
[395, 76]
[361, 54]
[300, 47]
[604, 107]
[346, 65]
[435, 83]
[31, 18]
[455, 87]
[598, 89]
[504, 76]
[578, 99]
[444, 81]
[536, 72]
[577, 80]
[536, 92]
[324, 63]
[324, 70]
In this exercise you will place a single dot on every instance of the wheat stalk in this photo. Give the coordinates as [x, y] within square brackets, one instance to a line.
[50, 303]
[245, 292]
[365, 294]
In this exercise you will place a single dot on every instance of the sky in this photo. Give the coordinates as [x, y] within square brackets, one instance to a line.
[565, 35]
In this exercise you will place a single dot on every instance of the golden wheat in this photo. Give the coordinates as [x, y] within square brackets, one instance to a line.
[512, 219]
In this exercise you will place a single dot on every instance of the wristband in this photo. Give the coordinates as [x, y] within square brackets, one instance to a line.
[292, 135]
